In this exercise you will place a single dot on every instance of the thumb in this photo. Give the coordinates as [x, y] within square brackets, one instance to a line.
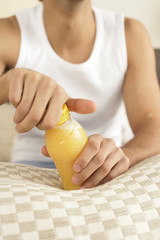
[44, 151]
[83, 106]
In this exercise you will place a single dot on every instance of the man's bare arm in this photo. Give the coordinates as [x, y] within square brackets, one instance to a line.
[9, 50]
[141, 94]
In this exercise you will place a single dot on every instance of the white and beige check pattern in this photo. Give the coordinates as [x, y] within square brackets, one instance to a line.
[34, 206]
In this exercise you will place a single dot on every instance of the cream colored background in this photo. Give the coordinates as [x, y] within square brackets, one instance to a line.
[147, 11]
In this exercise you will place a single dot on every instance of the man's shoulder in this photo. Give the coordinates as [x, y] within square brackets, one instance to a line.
[137, 38]
[135, 30]
[134, 26]
[9, 25]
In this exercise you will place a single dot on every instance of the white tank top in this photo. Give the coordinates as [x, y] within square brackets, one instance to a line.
[100, 78]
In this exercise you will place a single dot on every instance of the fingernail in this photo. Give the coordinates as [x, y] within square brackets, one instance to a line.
[75, 181]
[77, 168]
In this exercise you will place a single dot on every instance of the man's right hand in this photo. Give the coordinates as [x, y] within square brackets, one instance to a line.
[31, 93]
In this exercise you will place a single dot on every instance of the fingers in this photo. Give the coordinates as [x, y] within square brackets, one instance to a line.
[90, 150]
[83, 106]
[102, 163]
[15, 79]
[38, 106]
[54, 109]
[29, 92]
[101, 172]
[121, 167]
[113, 166]
[99, 150]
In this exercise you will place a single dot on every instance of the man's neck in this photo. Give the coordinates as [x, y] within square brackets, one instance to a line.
[70, 25]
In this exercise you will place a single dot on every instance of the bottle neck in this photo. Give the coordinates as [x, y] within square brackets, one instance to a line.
[65, 115]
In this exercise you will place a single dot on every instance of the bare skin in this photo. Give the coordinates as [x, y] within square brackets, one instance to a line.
[101, 159]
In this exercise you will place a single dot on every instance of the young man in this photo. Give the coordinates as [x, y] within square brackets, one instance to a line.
[63, 51]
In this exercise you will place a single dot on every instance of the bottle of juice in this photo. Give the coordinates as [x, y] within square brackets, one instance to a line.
[64, 144]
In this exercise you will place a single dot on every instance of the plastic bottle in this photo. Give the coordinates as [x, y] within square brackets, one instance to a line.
[64, 144]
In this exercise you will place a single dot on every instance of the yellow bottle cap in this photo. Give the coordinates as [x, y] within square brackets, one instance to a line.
[65, 115]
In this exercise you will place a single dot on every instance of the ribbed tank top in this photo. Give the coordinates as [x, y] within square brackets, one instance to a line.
[100, 78]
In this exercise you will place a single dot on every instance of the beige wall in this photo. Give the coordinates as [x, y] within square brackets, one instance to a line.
[147, 11]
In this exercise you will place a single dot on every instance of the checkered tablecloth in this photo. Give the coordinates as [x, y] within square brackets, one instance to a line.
[34, 206]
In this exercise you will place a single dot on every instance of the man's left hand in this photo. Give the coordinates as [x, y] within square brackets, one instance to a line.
[100, 161]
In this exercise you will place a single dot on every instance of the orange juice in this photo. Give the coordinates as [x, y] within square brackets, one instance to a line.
[64, 144]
